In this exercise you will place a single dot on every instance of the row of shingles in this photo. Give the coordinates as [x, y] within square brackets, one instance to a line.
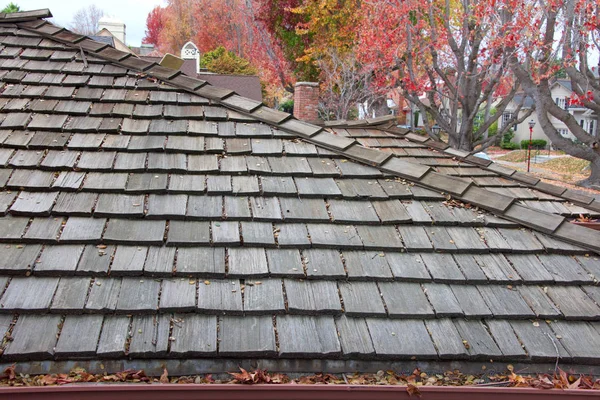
[378, 138]
[571, 195]
[304, 187]
[74, 119]
[532, 198]
[255, 164]
[484, 178]
[349, 147]
[192, 335]
[193, 212]
[76, 295]
[21, 257]
[561, 269]
[197, 183]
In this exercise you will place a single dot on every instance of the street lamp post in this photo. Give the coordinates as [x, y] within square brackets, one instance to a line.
[531, 125]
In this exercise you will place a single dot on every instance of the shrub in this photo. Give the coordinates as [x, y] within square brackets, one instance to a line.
[535, 144]
[222, 61]
[287, 106]
[506, 141]
[509, 145]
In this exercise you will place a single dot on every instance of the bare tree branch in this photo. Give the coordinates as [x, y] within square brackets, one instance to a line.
[85, 20]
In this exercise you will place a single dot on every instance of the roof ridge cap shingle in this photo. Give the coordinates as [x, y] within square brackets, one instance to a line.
[504, 206]
[22, 16]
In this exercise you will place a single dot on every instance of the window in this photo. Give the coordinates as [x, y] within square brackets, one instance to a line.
[561, 102]
[506, 118]
[563, 132]
[592, 132]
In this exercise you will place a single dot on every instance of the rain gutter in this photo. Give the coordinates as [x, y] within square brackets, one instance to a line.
[287, 391]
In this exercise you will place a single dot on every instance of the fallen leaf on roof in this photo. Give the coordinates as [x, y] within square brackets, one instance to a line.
[164, 378]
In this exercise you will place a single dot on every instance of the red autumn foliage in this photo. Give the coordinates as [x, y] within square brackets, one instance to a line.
[154, 25]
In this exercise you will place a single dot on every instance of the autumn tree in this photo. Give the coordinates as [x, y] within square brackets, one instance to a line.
[329, 25]
[566, 30]
[232, 24]
[280, 19]
[154, 25]
[178, 25]
[85, 20]
[345, 83]
[446, 58]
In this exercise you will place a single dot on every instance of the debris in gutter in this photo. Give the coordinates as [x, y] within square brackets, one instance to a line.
[511, 378]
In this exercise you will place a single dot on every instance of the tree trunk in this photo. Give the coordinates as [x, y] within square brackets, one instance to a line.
[488, 110]
[593, 181]
[380, 107]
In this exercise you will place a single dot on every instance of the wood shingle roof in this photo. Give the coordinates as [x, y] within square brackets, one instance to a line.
[145, 215]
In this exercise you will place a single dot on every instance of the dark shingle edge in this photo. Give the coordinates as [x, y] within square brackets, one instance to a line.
[199, 366]
[422, 176]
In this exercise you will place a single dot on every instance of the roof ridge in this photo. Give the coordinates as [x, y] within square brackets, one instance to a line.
[22, 16]
[425, 176]
[524, 178]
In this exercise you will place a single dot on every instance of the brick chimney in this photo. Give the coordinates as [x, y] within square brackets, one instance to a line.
[306, 101]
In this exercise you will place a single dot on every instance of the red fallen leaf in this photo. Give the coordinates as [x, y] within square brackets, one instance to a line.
[9, 372]
[413, 390]
[243, 377]
[141, 376]
[164, 378]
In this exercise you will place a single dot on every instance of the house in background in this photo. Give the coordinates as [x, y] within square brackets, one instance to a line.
[561, 93]
[246, 85]
[104, 36]
[113, 30]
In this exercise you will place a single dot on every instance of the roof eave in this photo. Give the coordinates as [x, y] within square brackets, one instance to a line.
[288, 391]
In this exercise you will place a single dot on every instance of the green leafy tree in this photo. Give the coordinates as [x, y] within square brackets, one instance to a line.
[222, 61]
[11, 8]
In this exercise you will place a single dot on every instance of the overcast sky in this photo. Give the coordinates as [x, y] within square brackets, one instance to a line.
[132, 12]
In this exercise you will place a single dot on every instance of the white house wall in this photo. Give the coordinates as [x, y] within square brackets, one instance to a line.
[558, 91]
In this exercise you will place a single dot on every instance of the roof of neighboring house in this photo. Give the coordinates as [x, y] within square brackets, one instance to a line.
[152, 220]
[566, 83]
[104, 34]
[244, 85]
[527, 103]
[109, 40]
